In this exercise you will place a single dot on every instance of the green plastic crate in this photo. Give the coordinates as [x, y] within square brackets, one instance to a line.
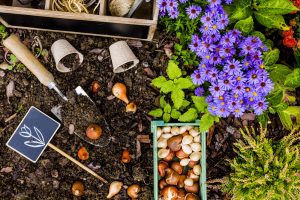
[202, 180]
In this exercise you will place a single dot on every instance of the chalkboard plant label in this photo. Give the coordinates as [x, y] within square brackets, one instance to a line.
[33, 134]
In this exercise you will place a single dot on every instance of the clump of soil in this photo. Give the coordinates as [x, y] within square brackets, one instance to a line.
[81, 112]
[71, 61]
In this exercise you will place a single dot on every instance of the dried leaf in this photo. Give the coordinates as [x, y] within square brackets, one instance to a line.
[93, 167]
[210, 135]
[248, 116]
[138, 149]
[71, 129]
[168, 50]
[149, 72]
[6, 169]
[10, 90]
[135, 43]
[143, 139]
[96, 51]
[2, 74]
[111, 97]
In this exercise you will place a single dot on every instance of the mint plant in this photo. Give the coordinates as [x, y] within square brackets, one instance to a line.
[268, 13]
[282, 99]
[264, 169]
[177, 100]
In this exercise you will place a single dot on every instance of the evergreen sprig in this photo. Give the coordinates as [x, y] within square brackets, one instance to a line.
[265, 169]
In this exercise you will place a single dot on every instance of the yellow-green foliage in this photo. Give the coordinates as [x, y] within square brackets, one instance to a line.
[265, 169]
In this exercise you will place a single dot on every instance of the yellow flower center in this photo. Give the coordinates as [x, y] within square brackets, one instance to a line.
[239, 78]
[237, 110]
[206, 28]
[236, 96]
[247, 64]
[214, 27]
[207, 57]
[223, 103]
[262, 66]
[254, 94]
[213, 108]
[251, 99]
[221, 98]
[247, 89]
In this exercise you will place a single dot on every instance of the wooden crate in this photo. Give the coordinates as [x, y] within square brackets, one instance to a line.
[100, 24]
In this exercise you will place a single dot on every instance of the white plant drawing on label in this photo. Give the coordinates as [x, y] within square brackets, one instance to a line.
[34, 141]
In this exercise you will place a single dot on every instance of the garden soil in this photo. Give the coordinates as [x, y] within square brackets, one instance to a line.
[52, 176]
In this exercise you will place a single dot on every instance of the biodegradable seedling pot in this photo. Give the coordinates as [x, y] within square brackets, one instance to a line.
[122, 57]
[202, 180]
[60, 49]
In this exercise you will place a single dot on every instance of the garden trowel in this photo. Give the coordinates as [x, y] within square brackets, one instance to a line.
[24, 55]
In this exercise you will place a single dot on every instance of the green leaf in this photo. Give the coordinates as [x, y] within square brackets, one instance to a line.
[173, 70]
[185, 104]
[178, 47]
[162, 101]
[12, 58]
[285, 116]
[278, 73]
[259, 34]
[269, 43]
[271, 21]
[245, 25]
[167, 108]
[177, 97]
[263, 119]
[271, 57]
[156, 112]
[275, 97]
[297, 55]
[167, 87]
[183, 83]
[189, 116]
[166, 117]
[240, 13]
[277, 7]
[159, 81]
[175, 114]
[200, 103]
[293, 79]
[280, 107]
[206, 121]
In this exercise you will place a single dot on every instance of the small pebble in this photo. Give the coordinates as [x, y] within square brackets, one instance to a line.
[17, 93]
[25, 82]
[71, 129]
[54, 173]
[55, 184]
[2, 73]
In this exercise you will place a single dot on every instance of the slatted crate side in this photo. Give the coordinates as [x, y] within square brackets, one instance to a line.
[79, 23]
[202, 180]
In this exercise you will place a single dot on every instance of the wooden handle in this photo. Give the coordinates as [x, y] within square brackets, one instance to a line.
[77, 162]
[28, 59]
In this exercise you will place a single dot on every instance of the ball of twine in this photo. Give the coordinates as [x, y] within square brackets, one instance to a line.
[120, 7]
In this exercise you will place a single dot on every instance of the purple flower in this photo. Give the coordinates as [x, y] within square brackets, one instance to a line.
[227, 51]
[216, 90]
[194, 46]
[172, 5]
[193, 11]
[214, 2]
[246, 48]
[240, 78]
[207, 19]
[212, 108]
[213, 74]
[226, 83]
[197, 78]
[174, 14]
[183, 1]
[199, 91]
[228, 1]
[254, 41]
[212, 38]
[227, 40]
[216, 59]
[253, 76]
[232, 67]
[222, 22]
[238, 111]
[162, 4]
[265, 86]
[222, 111]
[238, 89]
[260, 106]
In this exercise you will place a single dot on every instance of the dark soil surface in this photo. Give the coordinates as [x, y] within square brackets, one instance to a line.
[52, 176]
